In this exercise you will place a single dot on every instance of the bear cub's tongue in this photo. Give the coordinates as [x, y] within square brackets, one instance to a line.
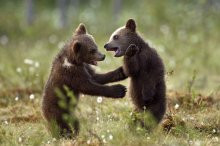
[117, 52]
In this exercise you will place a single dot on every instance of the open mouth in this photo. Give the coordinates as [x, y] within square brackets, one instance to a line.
[116, 50]
[112, 49]
[94, 63]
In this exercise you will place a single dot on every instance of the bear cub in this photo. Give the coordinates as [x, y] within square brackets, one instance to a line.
[145, 68]
[71, 68]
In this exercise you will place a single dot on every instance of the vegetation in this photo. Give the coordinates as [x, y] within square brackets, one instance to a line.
[186, 35]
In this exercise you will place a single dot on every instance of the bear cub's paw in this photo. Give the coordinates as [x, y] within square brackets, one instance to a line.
[119, 91]
[131, 50]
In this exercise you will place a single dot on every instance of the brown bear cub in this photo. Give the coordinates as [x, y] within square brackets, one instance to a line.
[71, 68]
[145, 68]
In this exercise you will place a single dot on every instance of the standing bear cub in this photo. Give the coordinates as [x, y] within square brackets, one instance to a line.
[71, 68]
[145, 68]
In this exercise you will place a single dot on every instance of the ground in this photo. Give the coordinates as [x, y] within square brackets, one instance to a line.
[187, 40]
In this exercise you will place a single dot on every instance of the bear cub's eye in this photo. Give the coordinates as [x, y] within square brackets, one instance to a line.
[115, 37]
[92, 51]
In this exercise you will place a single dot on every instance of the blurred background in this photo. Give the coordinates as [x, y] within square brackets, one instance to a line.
[185, 33]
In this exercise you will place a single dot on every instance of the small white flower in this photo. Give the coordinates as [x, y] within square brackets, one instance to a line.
[108, 131]
[99, 99]
[48, 142]
[16, 98]
[97, 118]
[18, 70]
[28, 61]
[88, 141]
[215, 139]
[176, 106]
[148, 138]
[19, 139]
[214, 131]
[36, 64]
[104, 141]
[31, 96]
[110, 137]
[6, 122]
[103, 136]
[131, 113]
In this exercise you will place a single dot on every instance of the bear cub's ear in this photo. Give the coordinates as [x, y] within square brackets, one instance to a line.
[131, 25]
[76, 47]
[81, 29]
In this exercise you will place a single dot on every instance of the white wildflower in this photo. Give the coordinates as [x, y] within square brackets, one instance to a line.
[214, 131]
[31, 96]
[6, 122]
[99, 99]
[18, 70]
[19, 139]
[110, 137]
[16, 98]
[36, 64]
[108, 131]
[103, 136]
[97, 118]
[148, 138]
[88, 141]
[104, 141]
[28, 61]
[176, 106]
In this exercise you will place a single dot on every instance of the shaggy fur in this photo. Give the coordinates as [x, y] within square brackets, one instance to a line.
[71, 68]
[145, 68]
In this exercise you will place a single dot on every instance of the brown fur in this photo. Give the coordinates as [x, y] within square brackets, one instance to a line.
[145, 68]
[80, 52]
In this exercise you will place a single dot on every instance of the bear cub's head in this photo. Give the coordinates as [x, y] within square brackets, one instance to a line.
[121, 39]
[83, 48]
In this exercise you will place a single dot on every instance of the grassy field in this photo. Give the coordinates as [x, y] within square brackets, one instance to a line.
[185, 34]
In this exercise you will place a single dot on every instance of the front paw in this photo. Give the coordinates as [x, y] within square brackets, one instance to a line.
[131, 50]
[118, 91]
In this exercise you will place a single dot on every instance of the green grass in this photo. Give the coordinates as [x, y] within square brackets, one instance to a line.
[185, 34]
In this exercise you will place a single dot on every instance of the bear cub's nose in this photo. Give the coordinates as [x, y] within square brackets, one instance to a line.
[105, 46]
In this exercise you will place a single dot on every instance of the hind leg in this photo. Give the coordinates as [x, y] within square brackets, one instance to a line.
[60, 127]
[69, 130]
[158, 110]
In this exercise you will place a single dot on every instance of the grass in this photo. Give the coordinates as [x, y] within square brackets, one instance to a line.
[186, 35]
